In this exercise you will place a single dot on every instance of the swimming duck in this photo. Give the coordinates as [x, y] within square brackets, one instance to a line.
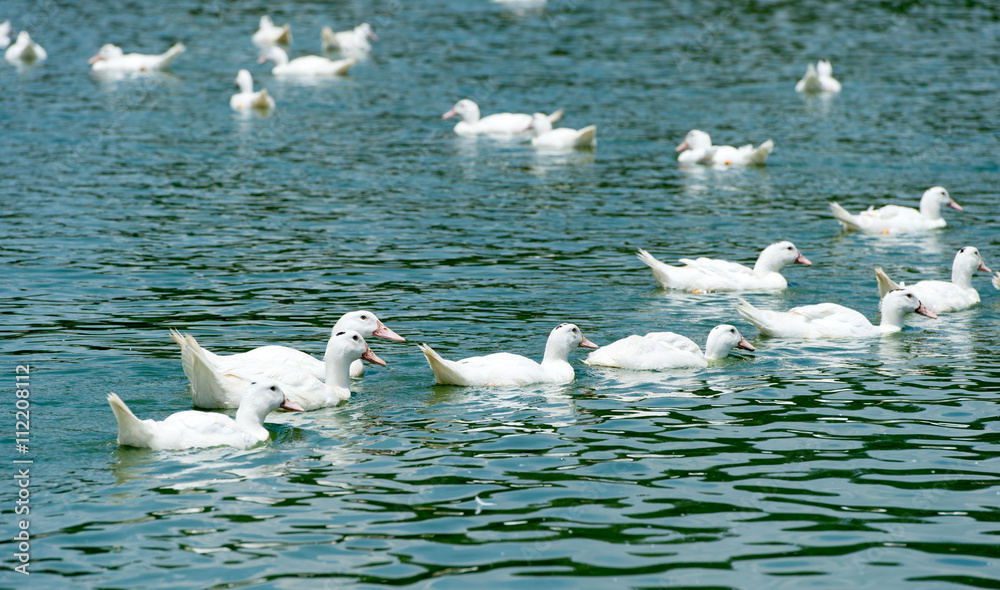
[307, 65]
[246, 98]
[25, 51]
[269, 34]
[943, 296]
[501, 124]
[111, 58]
[830, 320]
[702, 275]
[667, 350]
[818, 78]
[217, 384]
[363, 322]
[355, 41]
[697, 148]
[193, 429]
[506, 369]
[562, 138]
[892, 219]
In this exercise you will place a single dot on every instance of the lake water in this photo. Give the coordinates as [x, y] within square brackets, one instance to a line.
[135, 206]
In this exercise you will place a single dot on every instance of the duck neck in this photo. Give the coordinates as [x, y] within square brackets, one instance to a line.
[765, 264]
[715, 349]
[892, 320]
[250, 417]
[555, 353]
[338, 370]
[961, 275]
[930, 208]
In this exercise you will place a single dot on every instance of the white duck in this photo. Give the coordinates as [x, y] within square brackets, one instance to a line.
[506, 369]
[943, 296]
[830, 320]
[563, 138]
[362, 322]
[111, 58]
[219, 385]
[703, 275]
[307, 65]
[357, 41]
[246, 98]
[5, 31]
[503, 124]
[269, 34]
[892, 219]
[667, 350]
[193, 429]
[697, 148]
[24, 50]
[818, 78]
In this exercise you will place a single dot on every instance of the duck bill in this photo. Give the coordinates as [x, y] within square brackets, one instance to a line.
[291, 406]
[683, 146]
[94, 59]
[983, 267]
[371, 357]
[922, 310]
[373, 36]
[587, 343]
[744, 344]
[954, 205]
[803, 260]
[449, 114]
[383, 332]
[262, 59]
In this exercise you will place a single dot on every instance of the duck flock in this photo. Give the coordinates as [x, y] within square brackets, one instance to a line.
[269, 378]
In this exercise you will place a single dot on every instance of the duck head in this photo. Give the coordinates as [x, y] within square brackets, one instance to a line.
[365, 323]
[934, 199]
[695, 140]
[106, 52]
[722, 339]
[466, 109]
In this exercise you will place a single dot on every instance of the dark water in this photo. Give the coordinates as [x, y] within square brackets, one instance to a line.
[136, 206]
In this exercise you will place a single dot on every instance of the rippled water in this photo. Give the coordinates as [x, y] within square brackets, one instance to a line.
[136, 206]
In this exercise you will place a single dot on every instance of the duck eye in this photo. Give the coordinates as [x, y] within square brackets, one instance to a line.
[364, 317]
[355, 338]
[273, 388]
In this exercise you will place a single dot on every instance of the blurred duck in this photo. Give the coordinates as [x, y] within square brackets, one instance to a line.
[697, 148]
[269, 34]
[499, 124]
[818, 78]
[307, 65]
[355, 41]
[246, 98]
[25, 51]
[562, 138]
[110, 58]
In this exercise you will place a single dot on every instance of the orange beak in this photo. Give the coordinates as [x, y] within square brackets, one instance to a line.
[982, 266]
[587, 343]
[683, 146]
[291, 406]
[384, 332]
[371, 357]
[803, 260]
[449, 114]
[922, 310]
[94, 59]
[954, 205]
[744, 344]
